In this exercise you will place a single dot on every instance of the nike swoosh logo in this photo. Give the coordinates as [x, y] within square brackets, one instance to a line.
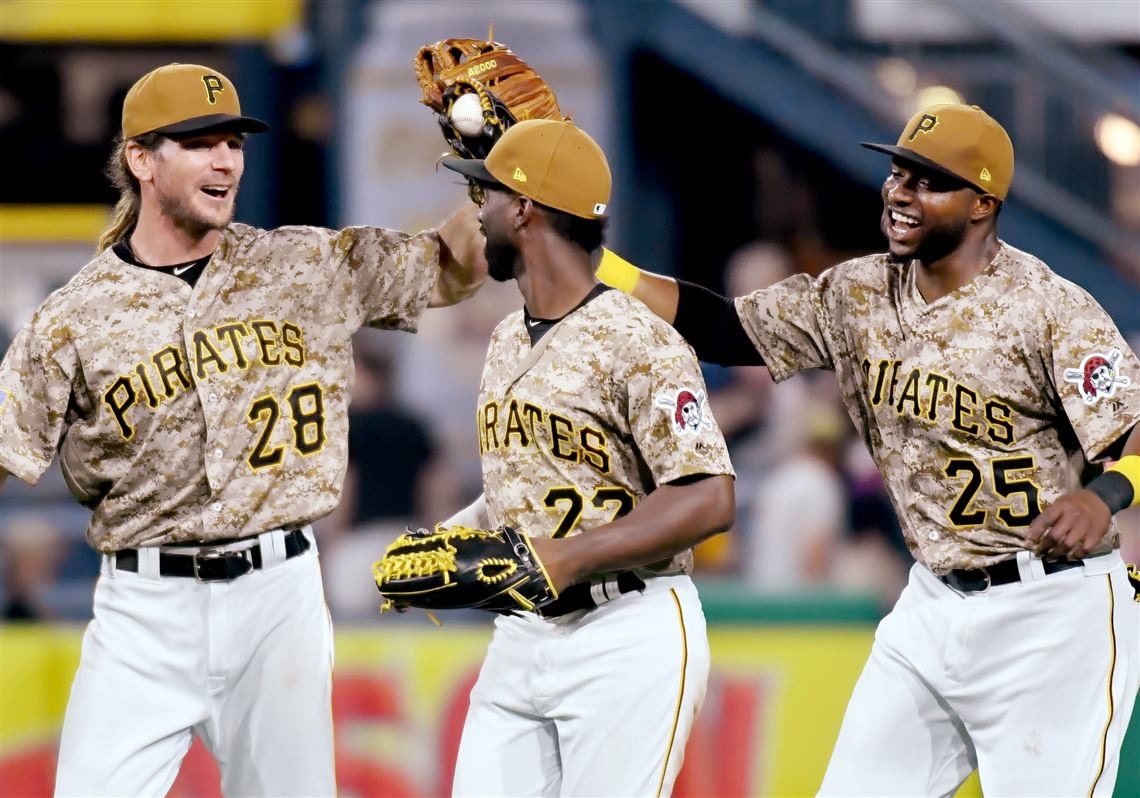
[180, 270]
[534, 322]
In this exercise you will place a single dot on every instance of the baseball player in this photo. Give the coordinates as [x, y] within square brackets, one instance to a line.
[596, 440]
[194, 379]
[985, 387]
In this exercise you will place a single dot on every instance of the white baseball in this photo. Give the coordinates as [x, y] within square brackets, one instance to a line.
[467, 115]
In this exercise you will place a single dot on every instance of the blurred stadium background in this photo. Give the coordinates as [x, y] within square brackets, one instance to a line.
[732, 129]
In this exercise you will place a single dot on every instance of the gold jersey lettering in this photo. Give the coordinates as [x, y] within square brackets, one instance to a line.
[520, 426]
[515, 427]
[119, 398]
[293, 341]
[204, 352]
[925, 395]
[268, 341]
[169, 363]
[233, 334]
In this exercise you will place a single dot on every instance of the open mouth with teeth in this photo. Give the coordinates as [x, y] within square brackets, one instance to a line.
[217, 192]
[902, 224]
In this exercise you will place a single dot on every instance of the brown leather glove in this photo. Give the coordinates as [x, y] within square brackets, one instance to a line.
[509, 90]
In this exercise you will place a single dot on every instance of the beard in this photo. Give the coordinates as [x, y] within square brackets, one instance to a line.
[936, 243]
[501, 257]
[179, 208]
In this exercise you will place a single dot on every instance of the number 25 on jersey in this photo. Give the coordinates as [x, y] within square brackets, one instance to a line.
[1022, 492]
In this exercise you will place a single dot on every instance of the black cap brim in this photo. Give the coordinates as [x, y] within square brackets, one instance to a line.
[212, 122]
[910, 155]
[471, 167]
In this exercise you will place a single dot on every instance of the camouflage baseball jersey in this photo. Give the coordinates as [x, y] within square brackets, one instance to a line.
[979, 408]
[606, 406]
[214, 411]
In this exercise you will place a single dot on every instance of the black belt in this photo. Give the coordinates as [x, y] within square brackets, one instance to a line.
[212, 565]
[579, 596]
[976, 580]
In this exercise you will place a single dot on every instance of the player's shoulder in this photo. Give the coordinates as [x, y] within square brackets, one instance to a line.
[510, 325]
[310, 244]
[873, 271]
[628, 318]
[631, 330]
[238, 238]
[84, 287]
[1029, 280]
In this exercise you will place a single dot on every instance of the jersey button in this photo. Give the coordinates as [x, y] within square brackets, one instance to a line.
[216, 507]
[190, 313]
[219, 454]
[213, 397]
[932, 535]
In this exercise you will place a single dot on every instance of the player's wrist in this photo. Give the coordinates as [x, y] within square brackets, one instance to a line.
[1119, 486]
[616, 272]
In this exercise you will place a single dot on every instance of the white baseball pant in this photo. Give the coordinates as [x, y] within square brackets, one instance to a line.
[1032, 683]
[594, 703]
[246, 665]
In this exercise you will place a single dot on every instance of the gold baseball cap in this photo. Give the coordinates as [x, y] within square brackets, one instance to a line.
[959, 141]
[184, 98]
[552, 161]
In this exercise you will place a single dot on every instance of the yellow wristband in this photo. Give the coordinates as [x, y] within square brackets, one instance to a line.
[617, 272]
[1129, 468]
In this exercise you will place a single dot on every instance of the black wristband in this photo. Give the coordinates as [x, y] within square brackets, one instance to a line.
[711, 325]
[1114, 489]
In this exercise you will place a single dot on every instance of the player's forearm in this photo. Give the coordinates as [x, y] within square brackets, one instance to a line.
[707, 320]
[462, 267]
[1119, 486]
[1073, 524]
[655, 290]
[669, 520]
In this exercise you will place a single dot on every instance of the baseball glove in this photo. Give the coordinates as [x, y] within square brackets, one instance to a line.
[458, 567]
[508, 89]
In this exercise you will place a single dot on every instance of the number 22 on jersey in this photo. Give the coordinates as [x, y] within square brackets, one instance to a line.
[575, 503]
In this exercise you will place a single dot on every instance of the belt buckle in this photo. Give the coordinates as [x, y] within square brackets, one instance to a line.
[218, 554]
[989, 582]
[956, 585]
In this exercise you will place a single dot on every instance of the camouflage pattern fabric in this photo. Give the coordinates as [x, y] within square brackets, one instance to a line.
[211, 412]
[979, 408]
[609, 404]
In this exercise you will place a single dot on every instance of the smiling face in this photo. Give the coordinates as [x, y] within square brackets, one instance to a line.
[925, 214]
[194, 179]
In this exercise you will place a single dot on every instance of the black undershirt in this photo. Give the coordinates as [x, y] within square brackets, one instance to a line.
[711, 325]
[537, 328]
[189, 271]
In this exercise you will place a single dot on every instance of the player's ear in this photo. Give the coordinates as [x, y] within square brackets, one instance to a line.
[523, 211]
[140, 161]
[985, 207]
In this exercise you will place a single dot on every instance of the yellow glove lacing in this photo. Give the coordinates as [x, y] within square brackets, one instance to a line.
[437, 556]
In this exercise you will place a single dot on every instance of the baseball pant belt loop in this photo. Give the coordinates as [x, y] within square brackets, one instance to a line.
[591, 595]
[979, 580]
[213, 563]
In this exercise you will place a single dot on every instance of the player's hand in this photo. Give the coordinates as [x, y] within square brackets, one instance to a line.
[557, 557]
[1069, 527]
[463, 267]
